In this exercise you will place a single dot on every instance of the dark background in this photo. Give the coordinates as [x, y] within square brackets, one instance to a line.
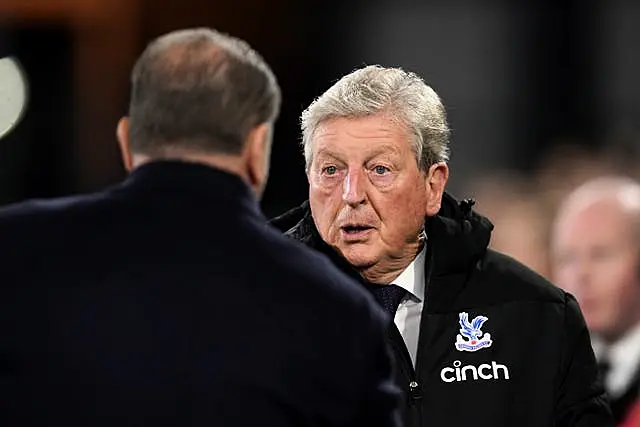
[519, 78]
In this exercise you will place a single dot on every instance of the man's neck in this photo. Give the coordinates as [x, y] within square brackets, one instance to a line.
[387, 270]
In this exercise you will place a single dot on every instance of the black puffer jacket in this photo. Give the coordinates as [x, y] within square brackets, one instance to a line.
[532, 362]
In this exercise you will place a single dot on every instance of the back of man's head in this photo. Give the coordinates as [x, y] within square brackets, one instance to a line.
[199, 91]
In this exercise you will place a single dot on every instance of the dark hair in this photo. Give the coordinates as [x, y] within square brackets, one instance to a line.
[199, 89]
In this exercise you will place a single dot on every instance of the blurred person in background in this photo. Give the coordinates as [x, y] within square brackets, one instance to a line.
[478, 338]
[167, 300]
[596, 256]
[521, 221]
[522, 206]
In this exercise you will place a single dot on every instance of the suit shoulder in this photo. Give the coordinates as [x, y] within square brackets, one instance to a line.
[302, 263]
[45, 209]
[51, 221]
[304, 260]
[508, 278]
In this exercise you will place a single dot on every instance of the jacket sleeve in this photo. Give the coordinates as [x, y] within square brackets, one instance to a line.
[381, 397]
[581, 400]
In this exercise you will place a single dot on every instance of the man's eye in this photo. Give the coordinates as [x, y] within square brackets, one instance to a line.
[381, 170]
[329, 170]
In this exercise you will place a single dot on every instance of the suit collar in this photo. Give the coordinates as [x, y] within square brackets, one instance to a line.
[197, 180]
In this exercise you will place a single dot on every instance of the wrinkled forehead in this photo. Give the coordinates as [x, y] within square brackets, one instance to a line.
[369, 134]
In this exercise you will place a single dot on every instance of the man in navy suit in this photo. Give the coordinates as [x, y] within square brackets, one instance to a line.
[167, 300]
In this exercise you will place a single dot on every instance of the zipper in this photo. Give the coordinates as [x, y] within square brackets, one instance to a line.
[423, 316]
[416, 388]
[401, 349]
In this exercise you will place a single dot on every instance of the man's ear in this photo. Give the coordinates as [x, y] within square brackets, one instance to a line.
[258, 155]
[122, 133]
[436, 182]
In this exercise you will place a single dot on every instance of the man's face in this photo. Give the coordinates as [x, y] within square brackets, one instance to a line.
[596, 255]
[368, 197]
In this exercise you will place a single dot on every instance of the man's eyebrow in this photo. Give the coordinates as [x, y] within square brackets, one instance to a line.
[326, 153]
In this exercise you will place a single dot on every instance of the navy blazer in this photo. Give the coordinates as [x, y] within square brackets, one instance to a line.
[167, 300]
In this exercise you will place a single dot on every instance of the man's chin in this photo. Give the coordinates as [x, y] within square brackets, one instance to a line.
[607, 331]
[359, 258]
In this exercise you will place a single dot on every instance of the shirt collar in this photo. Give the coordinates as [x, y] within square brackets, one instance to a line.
[627, 347]
[412, 278]
[623, 356]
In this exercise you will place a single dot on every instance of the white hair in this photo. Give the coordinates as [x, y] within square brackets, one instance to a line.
[375, 89]
[621, 190]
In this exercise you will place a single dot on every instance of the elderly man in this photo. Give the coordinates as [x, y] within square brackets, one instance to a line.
[596, 256]
[478, 338]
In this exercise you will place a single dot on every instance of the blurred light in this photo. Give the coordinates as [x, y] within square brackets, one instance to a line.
[13, 94]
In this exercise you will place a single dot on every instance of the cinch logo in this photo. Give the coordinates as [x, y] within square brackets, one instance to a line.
[483, 372]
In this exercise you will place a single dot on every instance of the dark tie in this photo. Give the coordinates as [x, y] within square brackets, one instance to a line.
[389, 296]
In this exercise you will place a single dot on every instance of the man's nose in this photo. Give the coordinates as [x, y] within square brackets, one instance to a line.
[353, 188]
[581, 276]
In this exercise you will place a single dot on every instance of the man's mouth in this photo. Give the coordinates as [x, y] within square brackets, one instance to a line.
[354, 229]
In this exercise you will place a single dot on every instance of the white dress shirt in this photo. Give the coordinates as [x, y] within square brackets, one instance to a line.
[624, 359]
[409, 312]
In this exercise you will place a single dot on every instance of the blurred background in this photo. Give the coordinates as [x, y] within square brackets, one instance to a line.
[542, 95]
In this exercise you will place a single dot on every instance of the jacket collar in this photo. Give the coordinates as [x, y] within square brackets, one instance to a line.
[205, 183]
